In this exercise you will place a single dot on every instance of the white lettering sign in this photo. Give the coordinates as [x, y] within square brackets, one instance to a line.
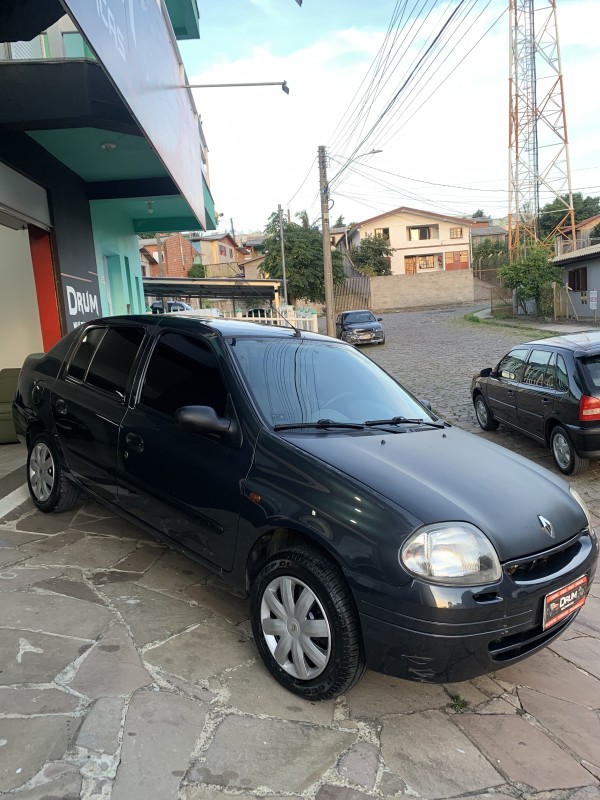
[82, 302]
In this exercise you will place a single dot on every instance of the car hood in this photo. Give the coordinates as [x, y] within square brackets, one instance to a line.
[450, 475]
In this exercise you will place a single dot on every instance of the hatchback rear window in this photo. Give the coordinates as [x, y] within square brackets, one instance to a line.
[591, 367]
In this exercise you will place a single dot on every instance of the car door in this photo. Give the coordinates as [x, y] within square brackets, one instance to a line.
[338, 325]
[502, 385]
[88, 402]
[186, 485]
[535, 394]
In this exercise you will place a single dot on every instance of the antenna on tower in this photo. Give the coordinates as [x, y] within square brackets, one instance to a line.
[539, 171]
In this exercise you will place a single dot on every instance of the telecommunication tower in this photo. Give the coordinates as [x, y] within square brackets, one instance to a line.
[539, 170]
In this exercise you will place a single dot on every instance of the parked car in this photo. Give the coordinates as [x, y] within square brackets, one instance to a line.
[359, 327]
[366, 530]
[550, 390]
[172, 305]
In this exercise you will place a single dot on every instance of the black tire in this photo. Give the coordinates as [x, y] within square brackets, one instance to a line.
[49, 488]
[566, 458]
[313, 587]
[483, 413]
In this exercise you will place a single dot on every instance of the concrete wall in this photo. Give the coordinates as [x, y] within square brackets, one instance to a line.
[415, 291]
[21, 333]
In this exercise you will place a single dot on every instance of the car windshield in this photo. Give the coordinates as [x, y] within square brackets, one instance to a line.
[305, 380]
[359, 316]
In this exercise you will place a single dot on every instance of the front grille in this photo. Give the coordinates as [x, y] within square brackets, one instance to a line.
[543, 565]
[516, 645]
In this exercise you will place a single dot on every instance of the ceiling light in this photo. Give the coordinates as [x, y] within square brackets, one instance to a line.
[108, 146]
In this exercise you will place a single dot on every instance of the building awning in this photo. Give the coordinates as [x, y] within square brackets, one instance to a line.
[261, 290]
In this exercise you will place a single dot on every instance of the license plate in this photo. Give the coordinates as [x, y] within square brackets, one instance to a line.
[562, 602]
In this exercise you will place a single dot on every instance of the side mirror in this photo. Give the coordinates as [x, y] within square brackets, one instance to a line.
[201, 419]
[379, 319]
[486, 373]
[425, 403]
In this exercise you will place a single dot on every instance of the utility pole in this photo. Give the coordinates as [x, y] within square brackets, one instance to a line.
[285, 296]
[327, 263]
[232, 228]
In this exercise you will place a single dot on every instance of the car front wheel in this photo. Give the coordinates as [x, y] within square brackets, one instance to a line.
[305, 624]
[48, 486]
[564, 454]
[483, 414]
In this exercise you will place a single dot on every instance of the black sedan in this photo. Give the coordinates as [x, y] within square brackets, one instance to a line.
[367, 531]
[359, 327]
[550, 390]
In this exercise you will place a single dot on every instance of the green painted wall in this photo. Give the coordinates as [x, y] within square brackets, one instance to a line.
[118, 260]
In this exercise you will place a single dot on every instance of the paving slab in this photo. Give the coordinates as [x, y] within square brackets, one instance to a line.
[280, 756]
[172, 572]
[70, 588]
[21, 576]
[54, 614]
[378, 695]
[254, 691]
[113, 667]
[360, 764]
[524, 753]
[201, 653]
[329, 792]
[220, 601]
[17, 538]
[151, 616]
[88, 553]
[66, 787]
[571, 724]
[29, 743]
[35, 701]
[51, 543]
[140, 559]
[100, 729]
[113, 526]
[36, 522]
[584, 652]
[11, 555]
[433, 756]
[29, 657]
[160, 734]
[551, 675]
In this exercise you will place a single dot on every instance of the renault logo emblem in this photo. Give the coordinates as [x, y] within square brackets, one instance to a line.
[547, 526]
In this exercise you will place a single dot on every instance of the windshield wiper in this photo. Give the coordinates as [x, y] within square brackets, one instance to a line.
[405, 420]
[319, 424]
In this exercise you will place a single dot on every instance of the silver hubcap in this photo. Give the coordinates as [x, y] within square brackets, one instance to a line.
[481, 411]
[562, 451]
[41, 472]
[295, 628]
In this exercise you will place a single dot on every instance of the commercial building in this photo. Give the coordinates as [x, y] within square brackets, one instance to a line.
[100, 141]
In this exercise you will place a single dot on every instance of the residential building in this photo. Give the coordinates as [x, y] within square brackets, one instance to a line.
[221, 254]
[583, 236]
[423, 242]
[87, 160]
[485, 230]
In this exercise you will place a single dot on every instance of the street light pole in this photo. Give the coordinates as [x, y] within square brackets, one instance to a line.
[327, 262]
[285, 295]
[283, 85]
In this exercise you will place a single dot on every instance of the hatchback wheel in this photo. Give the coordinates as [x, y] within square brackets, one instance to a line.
[483, 414]
[305, 624]
[48, 487]
[565, 456]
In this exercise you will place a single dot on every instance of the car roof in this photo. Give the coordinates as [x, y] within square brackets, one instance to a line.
[192, 323]
[584, 343]
[357, 311]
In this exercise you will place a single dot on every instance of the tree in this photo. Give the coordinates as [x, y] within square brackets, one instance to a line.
[479, 214]
[529, 275]
[371, 256]
[552, 213]
[197, 271]
[339, 223]
[595, 234]
[303, 258]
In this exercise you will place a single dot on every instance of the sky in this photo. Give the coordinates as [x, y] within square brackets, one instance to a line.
[444, 141]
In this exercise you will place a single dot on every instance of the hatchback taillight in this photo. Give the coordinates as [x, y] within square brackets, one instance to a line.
[589, 408]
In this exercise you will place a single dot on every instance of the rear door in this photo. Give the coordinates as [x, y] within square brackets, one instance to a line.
[535, 395]
[88, 402]
[502, 386]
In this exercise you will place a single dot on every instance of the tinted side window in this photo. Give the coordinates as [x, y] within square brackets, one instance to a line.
[511, 366]
[535, 371]
[83, 355]
[562, 377]
[113, 359]
[183, 372]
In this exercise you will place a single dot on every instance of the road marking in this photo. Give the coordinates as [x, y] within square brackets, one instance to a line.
[14, 499]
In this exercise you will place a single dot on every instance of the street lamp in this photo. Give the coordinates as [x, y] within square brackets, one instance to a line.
[283, 85]
[324, 187]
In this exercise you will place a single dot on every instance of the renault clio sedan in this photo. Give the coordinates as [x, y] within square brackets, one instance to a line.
[366, 530]
[359, 327]
[548, 389]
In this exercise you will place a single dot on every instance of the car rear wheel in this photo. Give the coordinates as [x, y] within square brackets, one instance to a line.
[566, 458]
[305, 624]
[483, 414]
[48, 486]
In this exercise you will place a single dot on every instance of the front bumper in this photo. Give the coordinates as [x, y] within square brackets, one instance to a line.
[448, 634]
[363, 337]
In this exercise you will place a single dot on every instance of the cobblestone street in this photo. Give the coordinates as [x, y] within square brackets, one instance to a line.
[128, 672]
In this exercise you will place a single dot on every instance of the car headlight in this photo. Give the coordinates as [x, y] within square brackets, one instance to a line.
[577, 497]
[451, 553]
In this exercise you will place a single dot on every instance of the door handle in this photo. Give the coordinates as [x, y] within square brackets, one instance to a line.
[60, 407]
[135, 442]
[546, 400]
